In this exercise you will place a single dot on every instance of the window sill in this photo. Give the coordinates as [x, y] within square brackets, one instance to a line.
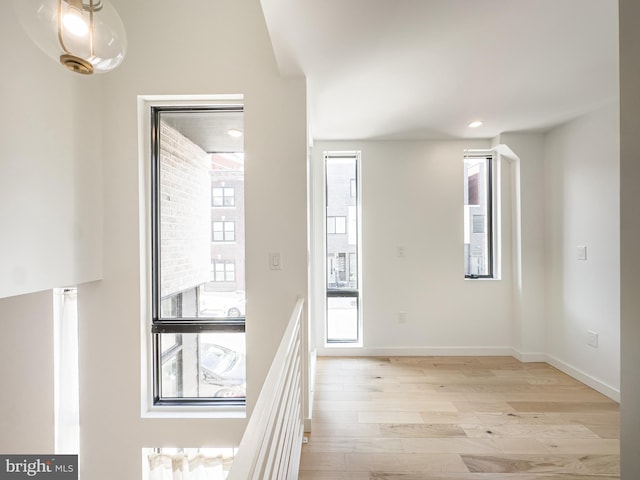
[185, 411]
[482, 279]
[338, 345]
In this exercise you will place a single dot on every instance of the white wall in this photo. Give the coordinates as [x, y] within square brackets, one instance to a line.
[412, 197]
[188, 48]
[582, 208]
[50, 168]
[26, 369]
[523, 152]
[630, 233]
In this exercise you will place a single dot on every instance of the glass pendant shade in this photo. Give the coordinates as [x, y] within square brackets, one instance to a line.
[86, 36]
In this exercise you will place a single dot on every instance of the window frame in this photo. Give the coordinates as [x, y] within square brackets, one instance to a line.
[353, 293]
[226, 232]
[224, 198]
[225, 270]
[160, 324]
[490, 214]
[332, 225]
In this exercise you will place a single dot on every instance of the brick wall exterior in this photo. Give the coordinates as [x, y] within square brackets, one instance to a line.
[185, 212]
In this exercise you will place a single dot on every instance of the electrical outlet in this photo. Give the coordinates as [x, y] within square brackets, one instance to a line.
[592, 339]
[402, 317]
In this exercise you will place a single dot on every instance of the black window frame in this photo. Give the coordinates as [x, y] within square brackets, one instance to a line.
[489, 212]
[165, 325]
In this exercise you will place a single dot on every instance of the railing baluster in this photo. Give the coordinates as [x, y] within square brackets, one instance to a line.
[271, 445]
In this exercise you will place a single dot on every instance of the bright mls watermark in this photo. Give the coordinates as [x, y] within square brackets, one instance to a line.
[52, 467]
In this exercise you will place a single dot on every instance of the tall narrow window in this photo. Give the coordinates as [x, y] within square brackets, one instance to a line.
[478, 215]
[198, 284]
[66, 377]
[342, 223]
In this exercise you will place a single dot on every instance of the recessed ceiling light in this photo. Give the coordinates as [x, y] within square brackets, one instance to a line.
[234, 132]
[475, 124]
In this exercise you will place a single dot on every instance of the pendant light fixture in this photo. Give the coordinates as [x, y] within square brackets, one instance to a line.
[86, 36]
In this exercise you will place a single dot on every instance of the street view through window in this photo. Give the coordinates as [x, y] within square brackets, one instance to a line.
[478, 256]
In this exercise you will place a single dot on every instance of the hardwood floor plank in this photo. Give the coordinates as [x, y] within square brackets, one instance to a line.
[390, 417]
[573, 406]
[609, 420]
[519, 445]
[529, 431]
[313, 475]
[341, 395]
[583, 446]
[404, 430]
[405, 462]
[483, 406]
[323, 461]
[605, 431]
[602, 464]
[471, 446]
[524, 463]
[333, 417]
[449, 418]
[347, 430]
[355, 445]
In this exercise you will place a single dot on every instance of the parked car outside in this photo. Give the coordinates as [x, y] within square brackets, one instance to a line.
[223, 368]
[223, 304]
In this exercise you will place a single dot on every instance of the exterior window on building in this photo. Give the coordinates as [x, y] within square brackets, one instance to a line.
[224, 271]
[478, 214]
[478, 223]
[198, 302]
[224, 231]
[223, 197]
[336, 225]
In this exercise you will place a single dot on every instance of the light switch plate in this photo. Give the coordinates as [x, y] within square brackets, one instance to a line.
[582, 252]
[275, 261]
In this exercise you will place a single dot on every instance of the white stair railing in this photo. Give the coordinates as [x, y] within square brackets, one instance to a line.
[270, 447]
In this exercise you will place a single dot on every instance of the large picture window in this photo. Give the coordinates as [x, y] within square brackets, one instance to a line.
[198, 300]
[478, 216]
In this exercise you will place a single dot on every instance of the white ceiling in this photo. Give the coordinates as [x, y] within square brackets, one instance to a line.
[412, 69]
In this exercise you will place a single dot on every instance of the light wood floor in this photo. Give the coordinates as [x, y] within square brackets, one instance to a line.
[457, 418]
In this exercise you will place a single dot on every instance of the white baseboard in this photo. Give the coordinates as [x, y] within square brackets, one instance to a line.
[340, 351]
[598, 385]
[527, 357]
